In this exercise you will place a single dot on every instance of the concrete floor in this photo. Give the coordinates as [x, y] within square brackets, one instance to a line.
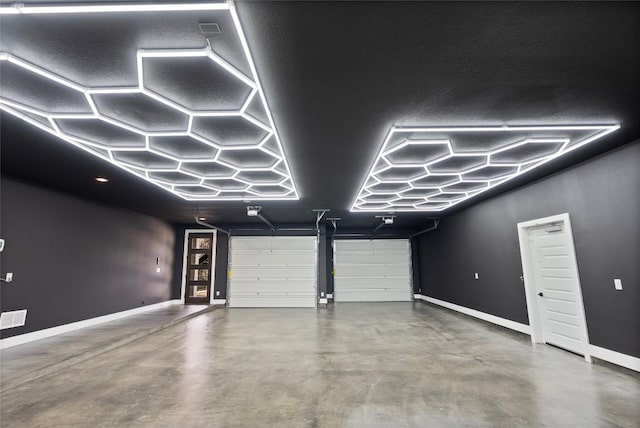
[352, 365]
[27, 362]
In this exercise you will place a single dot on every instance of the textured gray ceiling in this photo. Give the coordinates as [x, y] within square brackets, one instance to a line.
[337, 76]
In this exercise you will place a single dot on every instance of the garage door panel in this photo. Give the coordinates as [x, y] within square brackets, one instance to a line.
[399, 283]
[273, 272]
[267, 258]
[274, 287]
[273, 301]
[373, 295]
[357, 257]
[278, 243]
[386, 245]
[372, 270]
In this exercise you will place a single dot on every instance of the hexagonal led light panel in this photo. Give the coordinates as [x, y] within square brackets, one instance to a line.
[432, 169]
[213, 141]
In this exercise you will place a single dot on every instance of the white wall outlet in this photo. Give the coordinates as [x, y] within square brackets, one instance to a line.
[217, 292]
[617, 283]
[9, 277]
[322, 294]
[476, 276]
[1, 244]
[158, 269]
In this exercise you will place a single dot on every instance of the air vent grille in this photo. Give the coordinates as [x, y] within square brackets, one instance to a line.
[13, 319]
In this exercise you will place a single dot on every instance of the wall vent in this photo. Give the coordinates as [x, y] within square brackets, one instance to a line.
[13, 319]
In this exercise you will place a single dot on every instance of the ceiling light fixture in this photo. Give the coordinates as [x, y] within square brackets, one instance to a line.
[25, 8]
[102, 179]
[158, 158]
[435, 168]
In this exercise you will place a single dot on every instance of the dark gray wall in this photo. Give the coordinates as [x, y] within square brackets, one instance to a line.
[415, 261]
[329, 267]
[222, 266]
[602, 197]
[73, 259]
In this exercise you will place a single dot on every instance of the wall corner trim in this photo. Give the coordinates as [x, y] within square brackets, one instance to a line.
[65, 328]
[522, 328]
[219, 301]
[624, 360]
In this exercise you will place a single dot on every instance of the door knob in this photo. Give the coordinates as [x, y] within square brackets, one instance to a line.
[540, 294]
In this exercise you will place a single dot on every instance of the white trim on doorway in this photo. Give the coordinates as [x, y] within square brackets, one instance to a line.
[535, 320]
[214, 243]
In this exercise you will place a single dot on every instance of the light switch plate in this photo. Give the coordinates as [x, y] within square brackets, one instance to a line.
[9, 277]
[617, 283]
[476, 276]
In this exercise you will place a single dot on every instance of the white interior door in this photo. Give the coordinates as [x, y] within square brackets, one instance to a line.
[372, 270]
[557, 287]
[269, 271]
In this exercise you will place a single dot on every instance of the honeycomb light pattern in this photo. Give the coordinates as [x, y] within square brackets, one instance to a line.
[433, 169]
[154, 137]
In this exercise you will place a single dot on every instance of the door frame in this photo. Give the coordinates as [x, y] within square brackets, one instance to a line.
[335, 252]
[230, 266]
[535, 321]
[185, 253]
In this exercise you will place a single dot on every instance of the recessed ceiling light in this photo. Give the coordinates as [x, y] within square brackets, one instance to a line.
[102, 179]
[189, 160]
[432, 169]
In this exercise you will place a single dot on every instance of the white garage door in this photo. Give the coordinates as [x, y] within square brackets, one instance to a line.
[270, 271]
[377, 270]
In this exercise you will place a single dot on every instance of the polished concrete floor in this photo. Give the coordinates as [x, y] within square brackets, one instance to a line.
[29, 361]
[352, 365]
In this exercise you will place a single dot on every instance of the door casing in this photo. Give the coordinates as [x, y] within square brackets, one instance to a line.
[535, 321]
[185, 261]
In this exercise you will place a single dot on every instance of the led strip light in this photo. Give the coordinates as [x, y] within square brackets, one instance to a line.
[424, 169]
[26, 8]
[273, 182]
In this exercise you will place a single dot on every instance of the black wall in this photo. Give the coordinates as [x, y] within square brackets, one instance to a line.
[602, 197]
[73, 259]
[329, 267]
[222, 266]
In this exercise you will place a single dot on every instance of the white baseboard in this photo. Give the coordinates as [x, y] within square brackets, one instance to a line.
[614, 357]
[65, 328]
[219, 301]
[522, 328]
[604, 354]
